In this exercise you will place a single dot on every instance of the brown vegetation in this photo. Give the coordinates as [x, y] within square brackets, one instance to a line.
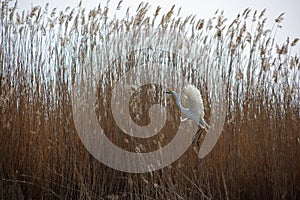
[42, 157]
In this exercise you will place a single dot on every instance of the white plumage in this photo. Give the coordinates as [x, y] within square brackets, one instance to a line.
[195, 102]
[195, 110]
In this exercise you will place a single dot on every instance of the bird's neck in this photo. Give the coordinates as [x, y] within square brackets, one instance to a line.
[179, 104]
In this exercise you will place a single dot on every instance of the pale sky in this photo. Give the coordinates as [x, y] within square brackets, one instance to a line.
[203, 9]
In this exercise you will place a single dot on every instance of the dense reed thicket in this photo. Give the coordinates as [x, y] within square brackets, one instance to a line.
[42, 157]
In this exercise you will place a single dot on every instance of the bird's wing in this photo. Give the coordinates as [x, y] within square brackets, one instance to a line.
[195, 101]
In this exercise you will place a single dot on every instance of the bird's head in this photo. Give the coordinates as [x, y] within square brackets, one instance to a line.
[168, 91]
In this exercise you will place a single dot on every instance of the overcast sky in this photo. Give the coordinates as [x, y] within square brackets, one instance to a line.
[203, 9]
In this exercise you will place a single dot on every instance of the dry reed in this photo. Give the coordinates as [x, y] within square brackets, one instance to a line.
[42, 157]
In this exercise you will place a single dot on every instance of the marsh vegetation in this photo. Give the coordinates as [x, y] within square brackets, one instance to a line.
[42, 157]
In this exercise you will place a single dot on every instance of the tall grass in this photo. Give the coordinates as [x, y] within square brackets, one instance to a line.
[257, 156]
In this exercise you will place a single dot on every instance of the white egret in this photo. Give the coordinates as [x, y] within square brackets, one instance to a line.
[195, 110]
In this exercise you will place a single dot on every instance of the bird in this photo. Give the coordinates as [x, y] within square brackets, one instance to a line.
[195, 110]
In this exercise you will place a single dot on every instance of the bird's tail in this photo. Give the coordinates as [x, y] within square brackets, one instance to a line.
[204, 125]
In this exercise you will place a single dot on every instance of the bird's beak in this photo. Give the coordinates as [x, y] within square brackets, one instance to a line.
[168, 91]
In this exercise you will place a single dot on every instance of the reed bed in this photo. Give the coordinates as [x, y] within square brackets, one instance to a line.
[42, 157]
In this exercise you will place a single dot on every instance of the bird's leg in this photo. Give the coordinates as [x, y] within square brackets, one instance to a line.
[194, 137]
[199, 133]
[183, 119]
